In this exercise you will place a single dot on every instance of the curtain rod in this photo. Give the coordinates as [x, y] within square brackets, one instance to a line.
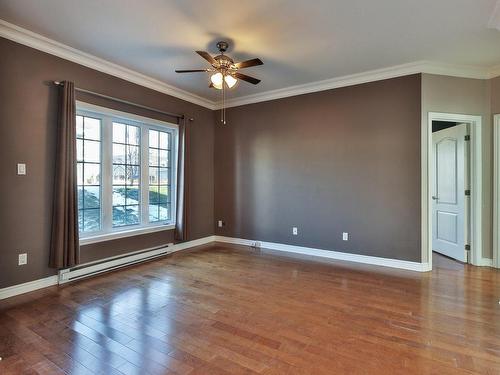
[58, 83]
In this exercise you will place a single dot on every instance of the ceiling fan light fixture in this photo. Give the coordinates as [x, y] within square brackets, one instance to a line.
[230, 80]
[217, 80]
[225, 72]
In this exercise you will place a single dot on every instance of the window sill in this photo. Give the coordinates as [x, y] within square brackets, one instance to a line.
[124, 233]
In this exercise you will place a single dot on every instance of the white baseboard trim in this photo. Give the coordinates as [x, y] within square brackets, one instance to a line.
[485, 262]
[30, 286]
[94, 268]
[366, 259]
[193, 243]
[105, 265]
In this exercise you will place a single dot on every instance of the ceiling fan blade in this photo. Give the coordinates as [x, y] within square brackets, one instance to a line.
[191, 70]
[207, 57]
[246, 78]
[249, 63]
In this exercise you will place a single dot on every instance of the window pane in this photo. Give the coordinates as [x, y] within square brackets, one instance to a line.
[153, 157]
[164, 194]
[118, 175]
[132, 155]
[132, 175]
[79, 174]
[91, 197]
[153, 176]
[92, 128]
[91, 220]
[79, 150]
[132, 196]
[79, 126]
[164, 158]
[164, 212]
[153, 138]
[118, 132]
[153, 213]
[80, 220]
[80, 196]
[92, 151]
[164, 174]
[118, 216]
[133, 135]
[119, 195]
[164, 141]
[118, 153]
[153, 195]
[91, 174]
[132, 215]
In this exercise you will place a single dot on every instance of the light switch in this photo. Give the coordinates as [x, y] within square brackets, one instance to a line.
[23, 259]
[21, 169]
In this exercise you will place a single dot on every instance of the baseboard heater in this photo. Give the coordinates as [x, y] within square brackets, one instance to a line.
[110, 264]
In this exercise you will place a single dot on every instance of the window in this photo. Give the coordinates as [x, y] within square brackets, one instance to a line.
[88, 151]
[159, 175]
[126, 173]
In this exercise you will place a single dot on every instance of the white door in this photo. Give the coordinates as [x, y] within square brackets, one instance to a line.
[449, 200]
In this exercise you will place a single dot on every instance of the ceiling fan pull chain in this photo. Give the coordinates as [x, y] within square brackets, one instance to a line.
[223, 102]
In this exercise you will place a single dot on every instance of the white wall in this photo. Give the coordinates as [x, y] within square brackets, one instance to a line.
[470, 97]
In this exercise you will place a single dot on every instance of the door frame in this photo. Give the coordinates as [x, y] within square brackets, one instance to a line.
[475, 179]
[496, 190]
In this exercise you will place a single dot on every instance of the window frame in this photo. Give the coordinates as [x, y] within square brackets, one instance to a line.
[107, 117]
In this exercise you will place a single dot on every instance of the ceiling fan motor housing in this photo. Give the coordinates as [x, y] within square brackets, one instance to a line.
[222, 46]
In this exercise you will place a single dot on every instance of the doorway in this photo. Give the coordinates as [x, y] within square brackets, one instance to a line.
[453, 187]
[451, 190]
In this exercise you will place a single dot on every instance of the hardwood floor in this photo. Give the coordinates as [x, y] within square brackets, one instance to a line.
[226, 309]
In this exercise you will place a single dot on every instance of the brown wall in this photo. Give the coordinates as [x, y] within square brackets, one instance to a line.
[341, 160]
[28, 110]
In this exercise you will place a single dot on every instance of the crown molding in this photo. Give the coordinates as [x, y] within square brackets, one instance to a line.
[429, 67]
[494, 22]
[495, 71]
[41, 43]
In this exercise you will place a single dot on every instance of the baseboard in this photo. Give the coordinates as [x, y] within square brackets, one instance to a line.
[103, 265]
[141, 256]
[30, 286]
[366, 259]
[485, 262]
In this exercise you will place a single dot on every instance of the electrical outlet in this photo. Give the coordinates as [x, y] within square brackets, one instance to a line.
[21, 169]
[23, 259]
[220, 223]
[295, 231]
[345, 236]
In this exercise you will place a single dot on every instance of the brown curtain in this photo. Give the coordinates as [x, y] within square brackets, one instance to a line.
[64, 248]
[181, 222]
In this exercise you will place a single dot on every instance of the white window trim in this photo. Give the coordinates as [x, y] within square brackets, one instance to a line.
[106, 165]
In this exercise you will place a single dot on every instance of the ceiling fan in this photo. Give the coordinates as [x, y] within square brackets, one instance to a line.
[225, 72]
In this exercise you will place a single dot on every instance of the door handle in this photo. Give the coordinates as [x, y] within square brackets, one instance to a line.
[435, 198]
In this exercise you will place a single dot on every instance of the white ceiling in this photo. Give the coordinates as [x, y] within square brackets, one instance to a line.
[300, 41]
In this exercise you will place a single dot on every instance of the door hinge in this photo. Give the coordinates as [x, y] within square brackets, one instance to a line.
[467, 192]
[467, 137]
